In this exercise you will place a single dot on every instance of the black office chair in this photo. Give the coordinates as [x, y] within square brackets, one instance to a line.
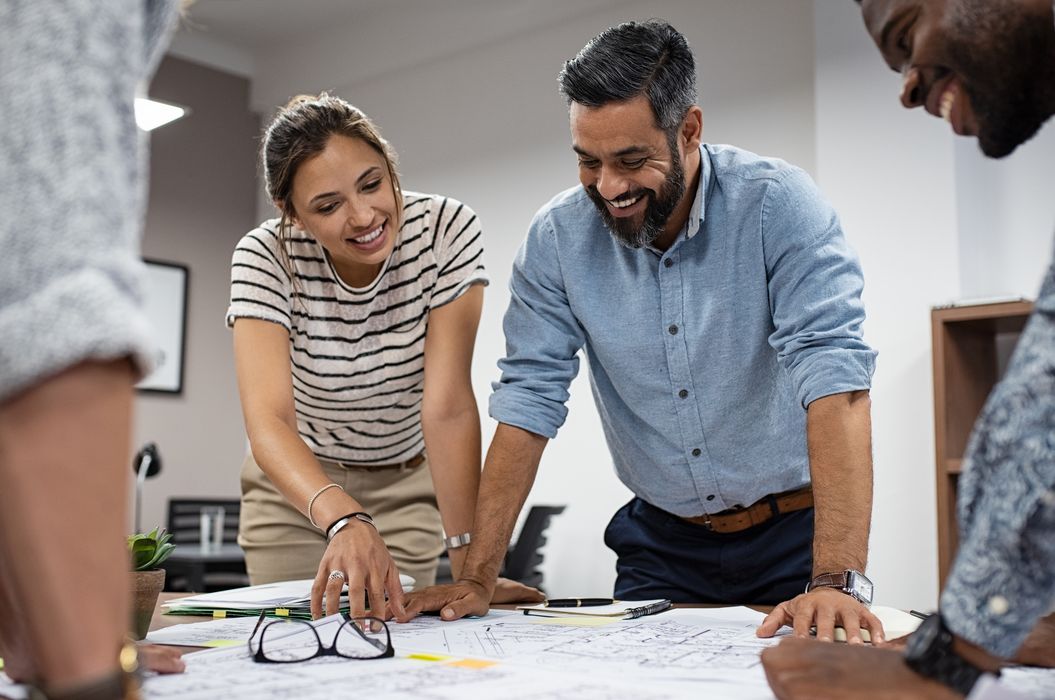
[524, 556]
[184, 522]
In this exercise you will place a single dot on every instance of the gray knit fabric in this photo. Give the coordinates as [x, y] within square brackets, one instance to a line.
[73, 182]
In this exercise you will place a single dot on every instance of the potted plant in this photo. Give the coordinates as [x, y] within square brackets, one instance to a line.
[147, 551]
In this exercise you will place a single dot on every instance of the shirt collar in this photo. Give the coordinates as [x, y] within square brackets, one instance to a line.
[697, 212]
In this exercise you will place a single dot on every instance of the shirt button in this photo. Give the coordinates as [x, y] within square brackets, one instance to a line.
[673, 330]
[711, 497]
[683, 393]
[668, 262]
[696, 452]
[998, 605]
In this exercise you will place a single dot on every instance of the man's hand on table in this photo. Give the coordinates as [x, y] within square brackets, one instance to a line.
[804, 669]
[824, 608]
[455, 601]
[508, 591]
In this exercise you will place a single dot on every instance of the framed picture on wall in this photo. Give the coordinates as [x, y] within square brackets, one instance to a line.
[166, 309]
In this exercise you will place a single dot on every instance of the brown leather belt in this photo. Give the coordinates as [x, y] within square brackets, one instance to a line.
[411, 463]
[737, 519]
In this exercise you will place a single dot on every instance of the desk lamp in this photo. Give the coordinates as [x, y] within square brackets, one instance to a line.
[147, 463]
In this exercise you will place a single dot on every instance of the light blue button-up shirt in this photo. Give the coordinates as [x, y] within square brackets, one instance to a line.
[704, 357]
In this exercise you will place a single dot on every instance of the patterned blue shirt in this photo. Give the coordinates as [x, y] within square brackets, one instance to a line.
[703, 357]
[1003, 578]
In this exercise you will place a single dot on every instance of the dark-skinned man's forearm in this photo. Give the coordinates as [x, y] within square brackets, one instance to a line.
[839, 435]
[509, 471]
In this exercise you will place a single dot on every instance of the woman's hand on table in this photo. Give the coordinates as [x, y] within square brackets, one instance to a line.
[359, 553]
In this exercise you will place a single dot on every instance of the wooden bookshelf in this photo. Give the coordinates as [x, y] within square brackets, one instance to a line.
[971, 346]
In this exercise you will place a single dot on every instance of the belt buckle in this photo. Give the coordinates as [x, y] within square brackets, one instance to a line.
[707, 522]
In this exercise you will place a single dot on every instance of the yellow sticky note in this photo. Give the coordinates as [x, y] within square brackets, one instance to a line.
[222, 643]
[428, 657]
[282, 612]
[574, 621]
[473, 663]
[219, 613]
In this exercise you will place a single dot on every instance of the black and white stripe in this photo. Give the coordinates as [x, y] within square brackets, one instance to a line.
[358, 355]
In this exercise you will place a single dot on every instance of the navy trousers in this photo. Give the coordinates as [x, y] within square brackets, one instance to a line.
[663, 556]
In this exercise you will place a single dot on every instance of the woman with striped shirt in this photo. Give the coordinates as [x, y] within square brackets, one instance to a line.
[354, 318]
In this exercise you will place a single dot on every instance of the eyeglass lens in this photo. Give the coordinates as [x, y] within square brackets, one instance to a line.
[362, 638]
[295, 640]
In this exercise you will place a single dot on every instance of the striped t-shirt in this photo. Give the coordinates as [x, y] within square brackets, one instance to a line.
[358, 355]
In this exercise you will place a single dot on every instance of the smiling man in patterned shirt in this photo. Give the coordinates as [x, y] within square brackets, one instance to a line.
[988, 68]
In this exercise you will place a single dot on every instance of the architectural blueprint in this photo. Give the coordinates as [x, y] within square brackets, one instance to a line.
[698, 653]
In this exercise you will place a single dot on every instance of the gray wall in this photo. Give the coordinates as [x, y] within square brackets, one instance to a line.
[202, 200]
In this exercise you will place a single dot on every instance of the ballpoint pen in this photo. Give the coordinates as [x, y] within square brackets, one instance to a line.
[578, 602]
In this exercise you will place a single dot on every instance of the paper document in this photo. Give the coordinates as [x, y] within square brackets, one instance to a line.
[213, 633]
[683, 653]
[292, 597]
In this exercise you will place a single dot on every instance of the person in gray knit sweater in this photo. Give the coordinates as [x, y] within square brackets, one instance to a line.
[73, 336]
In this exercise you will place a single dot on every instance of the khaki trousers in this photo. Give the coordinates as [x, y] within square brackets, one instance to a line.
[281, 545]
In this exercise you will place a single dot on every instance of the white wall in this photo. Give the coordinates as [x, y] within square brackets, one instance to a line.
[482, 121]
[1006, 217]
[890, 174]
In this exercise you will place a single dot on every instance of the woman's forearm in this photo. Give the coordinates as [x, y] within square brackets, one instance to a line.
[295, 471]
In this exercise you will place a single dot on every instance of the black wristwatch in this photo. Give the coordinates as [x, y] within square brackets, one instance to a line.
[852, 583]
[930, 654]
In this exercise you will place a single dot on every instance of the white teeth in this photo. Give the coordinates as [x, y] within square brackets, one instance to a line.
[948, 99]
[623, 203]
[370, 237]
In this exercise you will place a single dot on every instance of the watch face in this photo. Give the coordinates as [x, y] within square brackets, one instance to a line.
[860, 587]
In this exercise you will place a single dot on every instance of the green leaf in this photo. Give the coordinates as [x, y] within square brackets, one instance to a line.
[150, 549]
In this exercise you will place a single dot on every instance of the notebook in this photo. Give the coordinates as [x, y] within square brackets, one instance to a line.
[625, 609]
[896, 623]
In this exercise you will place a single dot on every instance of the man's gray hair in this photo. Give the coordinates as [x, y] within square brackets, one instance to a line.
[635, 58]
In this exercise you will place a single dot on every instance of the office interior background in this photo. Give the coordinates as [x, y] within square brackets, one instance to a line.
[466, 92]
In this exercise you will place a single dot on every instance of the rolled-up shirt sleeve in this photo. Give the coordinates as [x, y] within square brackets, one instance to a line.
[543, 338]
[1003, 578]
[815, 285]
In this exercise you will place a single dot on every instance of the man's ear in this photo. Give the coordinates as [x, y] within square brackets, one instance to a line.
[692, 128]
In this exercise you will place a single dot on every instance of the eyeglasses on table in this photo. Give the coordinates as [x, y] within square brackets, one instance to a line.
[290, 641]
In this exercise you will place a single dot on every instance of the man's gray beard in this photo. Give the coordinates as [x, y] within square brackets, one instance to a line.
[657, 212]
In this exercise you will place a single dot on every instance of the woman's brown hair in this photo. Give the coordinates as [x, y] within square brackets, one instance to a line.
[301, 131]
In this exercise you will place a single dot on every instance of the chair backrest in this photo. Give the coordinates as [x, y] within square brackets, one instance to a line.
[184, 521]
[525, 556]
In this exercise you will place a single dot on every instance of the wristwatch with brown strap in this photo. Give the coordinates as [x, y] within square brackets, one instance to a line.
[852, 583]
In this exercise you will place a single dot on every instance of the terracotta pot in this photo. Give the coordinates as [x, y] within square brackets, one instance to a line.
[146, 585]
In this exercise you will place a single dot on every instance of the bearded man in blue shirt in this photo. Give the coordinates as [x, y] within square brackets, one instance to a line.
[719, 308]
